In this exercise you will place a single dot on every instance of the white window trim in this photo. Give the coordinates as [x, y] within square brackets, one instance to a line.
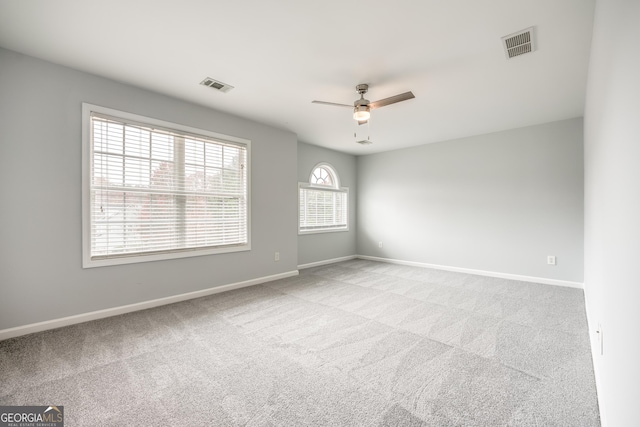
[335, 188]
[332, 171]
[87, 154]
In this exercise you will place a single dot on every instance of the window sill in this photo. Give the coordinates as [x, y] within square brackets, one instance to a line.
[332, 230]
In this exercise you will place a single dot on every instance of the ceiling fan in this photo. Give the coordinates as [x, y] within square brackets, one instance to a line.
[362, 107]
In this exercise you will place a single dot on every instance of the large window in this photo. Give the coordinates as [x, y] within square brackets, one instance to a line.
[157, 190]
[323, 204]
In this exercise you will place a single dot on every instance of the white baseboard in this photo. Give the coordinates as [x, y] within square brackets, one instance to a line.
[592, 325]
[100, 314]
[326, 261]
[509, 276]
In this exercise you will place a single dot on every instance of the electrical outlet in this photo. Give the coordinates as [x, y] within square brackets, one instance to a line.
[379, 244]
[600, 336]
[551, 260]
[277, 256]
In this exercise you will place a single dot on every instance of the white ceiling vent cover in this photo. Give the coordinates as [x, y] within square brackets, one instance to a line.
[519, 43]
[216, 84]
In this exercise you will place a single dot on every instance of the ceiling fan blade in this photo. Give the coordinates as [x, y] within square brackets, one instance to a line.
[391, 100]
[331, 103]
[363, 122]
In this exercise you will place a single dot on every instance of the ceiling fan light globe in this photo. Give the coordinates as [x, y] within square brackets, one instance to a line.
[361, 113]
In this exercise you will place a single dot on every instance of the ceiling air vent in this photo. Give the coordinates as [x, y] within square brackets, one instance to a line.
[519, 43]
[216, 84]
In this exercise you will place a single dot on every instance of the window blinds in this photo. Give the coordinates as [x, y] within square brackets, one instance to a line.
[157, 190]
[322, 209]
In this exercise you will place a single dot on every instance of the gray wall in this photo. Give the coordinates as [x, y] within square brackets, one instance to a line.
[325, 246]
[612, 208]
[499, 202]
[41, 275]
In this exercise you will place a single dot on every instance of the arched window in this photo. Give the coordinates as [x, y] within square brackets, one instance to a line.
[323, 175]
[323, 203]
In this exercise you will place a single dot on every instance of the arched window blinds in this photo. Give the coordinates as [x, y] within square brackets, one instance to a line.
[323, 204]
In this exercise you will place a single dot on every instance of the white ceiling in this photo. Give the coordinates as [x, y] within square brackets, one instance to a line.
[282, 54]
